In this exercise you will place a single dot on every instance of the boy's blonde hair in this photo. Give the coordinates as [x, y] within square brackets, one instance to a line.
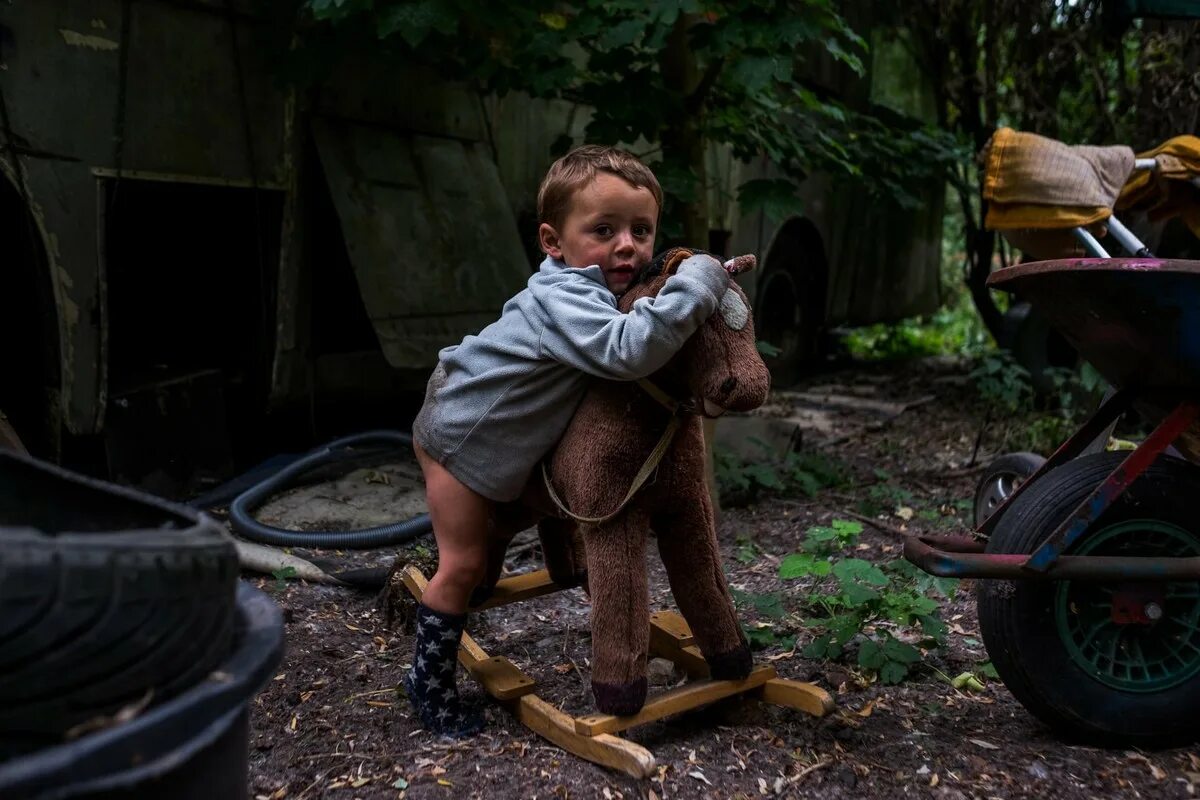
[578, 167]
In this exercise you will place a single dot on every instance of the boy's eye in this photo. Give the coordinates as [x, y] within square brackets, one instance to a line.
[641, 230]
[604, 230]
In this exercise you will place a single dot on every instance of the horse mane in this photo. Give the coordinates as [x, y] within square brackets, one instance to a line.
[655, 268]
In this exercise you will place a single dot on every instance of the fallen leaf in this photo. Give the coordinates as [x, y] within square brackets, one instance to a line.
[379, 704]
[563, 669]
[359, 782]
[444, 782]
[866, 710]
[934, 780]
[295, 721]
[905, 513]
[698, 775]
[983, 744]
[400, 783]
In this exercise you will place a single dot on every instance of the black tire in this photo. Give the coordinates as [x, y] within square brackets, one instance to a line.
[1032, 628]
[1000, 479]
[105, 594]
[789, 315]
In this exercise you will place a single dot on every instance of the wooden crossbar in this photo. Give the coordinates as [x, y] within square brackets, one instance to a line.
[591, 737]
[676, 701]
[518, 588]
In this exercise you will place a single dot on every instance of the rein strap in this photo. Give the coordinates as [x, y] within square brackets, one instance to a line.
[677, 410]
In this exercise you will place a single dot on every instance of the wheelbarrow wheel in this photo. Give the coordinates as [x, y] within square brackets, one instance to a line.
[1069, 651]
[1001, 479]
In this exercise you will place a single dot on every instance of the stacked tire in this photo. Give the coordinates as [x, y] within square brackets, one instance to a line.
[111, 602]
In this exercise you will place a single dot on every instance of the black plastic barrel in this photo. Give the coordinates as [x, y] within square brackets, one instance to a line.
[190, 747]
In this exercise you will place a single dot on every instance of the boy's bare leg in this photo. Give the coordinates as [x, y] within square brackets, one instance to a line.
[460, 525]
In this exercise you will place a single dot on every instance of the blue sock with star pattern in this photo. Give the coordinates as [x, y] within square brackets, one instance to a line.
[431, 683]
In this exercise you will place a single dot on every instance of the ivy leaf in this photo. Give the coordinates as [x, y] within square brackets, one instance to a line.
[776, 197]
[853, 570]
[416, 21]
[896, 650]
[769, 605]
[870, 655]
[553, 20]
[893, 672]
[799, 565]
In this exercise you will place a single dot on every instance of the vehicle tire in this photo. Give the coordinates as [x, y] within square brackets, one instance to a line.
[1055, 644]
[106, 595]
[1001, 479]
[789, 314]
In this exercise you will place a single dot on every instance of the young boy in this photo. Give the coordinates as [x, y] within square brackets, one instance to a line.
[500, 401]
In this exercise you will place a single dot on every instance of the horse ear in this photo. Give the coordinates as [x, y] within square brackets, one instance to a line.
[674, 259]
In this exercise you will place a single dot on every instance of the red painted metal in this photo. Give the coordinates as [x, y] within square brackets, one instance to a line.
[1131, 601]
[1113, 486]
[961, 557]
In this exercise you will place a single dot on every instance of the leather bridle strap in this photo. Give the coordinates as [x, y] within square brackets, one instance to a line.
[677, 410]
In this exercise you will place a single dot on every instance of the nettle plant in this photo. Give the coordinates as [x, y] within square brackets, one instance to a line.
[853, 604]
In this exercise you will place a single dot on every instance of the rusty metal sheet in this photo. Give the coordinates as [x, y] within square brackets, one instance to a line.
[429, 232]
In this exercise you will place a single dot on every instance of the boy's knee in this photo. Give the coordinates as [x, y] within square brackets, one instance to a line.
[466, 571]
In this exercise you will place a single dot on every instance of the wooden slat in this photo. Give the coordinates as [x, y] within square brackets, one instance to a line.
[560, 729]
[796, 694]
[501, 678]
[676, 701]
[673, 626]
[518, 588]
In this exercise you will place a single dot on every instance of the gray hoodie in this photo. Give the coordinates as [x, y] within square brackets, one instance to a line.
[501, 400]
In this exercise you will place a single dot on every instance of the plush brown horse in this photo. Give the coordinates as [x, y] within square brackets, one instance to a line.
[614, 432]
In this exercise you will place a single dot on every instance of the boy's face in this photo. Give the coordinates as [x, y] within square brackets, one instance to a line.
[611, 224]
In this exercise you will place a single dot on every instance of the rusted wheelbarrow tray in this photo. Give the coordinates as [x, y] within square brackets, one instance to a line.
[1137, 320]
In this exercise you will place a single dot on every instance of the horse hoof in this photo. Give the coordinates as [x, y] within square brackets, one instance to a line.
[732, 666]
[620, 699]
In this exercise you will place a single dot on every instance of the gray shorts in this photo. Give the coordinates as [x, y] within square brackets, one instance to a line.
[497, 478]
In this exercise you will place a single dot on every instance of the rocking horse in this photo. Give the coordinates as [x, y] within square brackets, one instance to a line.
[593, 521]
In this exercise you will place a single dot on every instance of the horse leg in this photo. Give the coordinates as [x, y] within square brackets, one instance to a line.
[563, 551]
[616, 561]
[508, 519]
[687, 543]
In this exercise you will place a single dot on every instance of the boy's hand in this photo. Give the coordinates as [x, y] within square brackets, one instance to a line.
[739, 264]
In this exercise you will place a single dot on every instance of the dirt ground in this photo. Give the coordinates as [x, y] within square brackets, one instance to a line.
[332, 724]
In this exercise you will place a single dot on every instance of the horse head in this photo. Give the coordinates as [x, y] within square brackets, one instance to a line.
[720, 366]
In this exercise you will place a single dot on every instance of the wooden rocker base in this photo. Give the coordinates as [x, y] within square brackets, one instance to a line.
[592, 737]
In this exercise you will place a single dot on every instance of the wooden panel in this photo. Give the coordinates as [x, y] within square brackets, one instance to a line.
[668, 623]
[795, 694]
[518, 588]
[676, 701]
[501, 678]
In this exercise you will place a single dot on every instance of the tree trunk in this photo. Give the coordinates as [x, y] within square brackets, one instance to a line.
[683, 138]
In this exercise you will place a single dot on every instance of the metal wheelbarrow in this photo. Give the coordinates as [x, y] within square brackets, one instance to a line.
[1089, 603]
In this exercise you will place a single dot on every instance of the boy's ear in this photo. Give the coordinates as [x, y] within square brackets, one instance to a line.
[549, 240]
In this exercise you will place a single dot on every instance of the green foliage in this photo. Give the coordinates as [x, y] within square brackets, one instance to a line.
[863, 601]
[282, 576]
[803, 472]
[1003, 383]
[953, 330]
[623, 60]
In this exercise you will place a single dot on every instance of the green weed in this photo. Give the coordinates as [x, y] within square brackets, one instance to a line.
[855, 602]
